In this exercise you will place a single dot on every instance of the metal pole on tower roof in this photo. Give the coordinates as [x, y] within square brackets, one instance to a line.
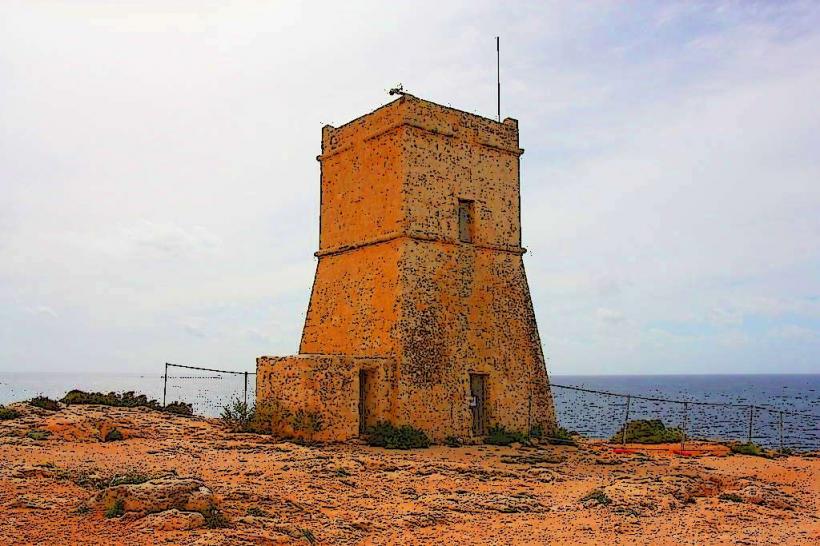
[498, 73]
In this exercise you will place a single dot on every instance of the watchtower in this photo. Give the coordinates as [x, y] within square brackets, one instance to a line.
[420, 299]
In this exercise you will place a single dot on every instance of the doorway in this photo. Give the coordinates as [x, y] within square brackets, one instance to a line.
[365, 399]
[478, 402]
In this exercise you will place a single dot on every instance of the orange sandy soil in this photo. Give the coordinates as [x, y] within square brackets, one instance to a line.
[354, 494]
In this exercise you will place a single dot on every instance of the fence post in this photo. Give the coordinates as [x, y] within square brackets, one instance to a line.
[246, 390]
[626, 421]
[781, 432]
[165, 386]
[751, 419]
[683, 428]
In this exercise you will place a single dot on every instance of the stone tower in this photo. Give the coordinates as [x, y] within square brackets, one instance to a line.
[420, 312]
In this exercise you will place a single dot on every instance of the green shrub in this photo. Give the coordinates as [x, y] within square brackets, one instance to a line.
[385, 435]
[308, 422]
[598, 496]
[257, 512]
[113, 435]
[537, 432]
[45, 403]
[125, 400]
[731, 497]
[8, 413]
[116, 510]
[238, 416]
[307, 534]
[747, 449]
[453, 441]
[131, 477]
[262, 417]
[179, 408]
[214, 519]
[498, 435]
[38, 434]
[650, 431]
[269, 415]
[562, 436]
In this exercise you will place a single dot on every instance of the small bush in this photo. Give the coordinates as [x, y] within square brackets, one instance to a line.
[650, 431]
[498, 435]
[113, 435]
[307, 534]
[214, 519]
[125, 400]
[86, 479]
[269, 415]
[179, 408]
[308, 422]
[562, 436]
[116, 510]
[747, 449]
[537, 432]
[45, 403]
[131, 477]
[8, 413]
[598, 496]
[730, 497]
[385, 435]
[38, 434]
[257, 512]
[238, 416]
[453, 441]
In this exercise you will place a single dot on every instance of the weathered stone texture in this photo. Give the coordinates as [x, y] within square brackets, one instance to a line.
[327, 385]
[394, 280]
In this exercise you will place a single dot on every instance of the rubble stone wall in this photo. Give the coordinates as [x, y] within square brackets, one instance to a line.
[324, 385]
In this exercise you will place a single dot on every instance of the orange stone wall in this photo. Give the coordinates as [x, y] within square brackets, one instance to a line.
[324, 384]
[394, 281]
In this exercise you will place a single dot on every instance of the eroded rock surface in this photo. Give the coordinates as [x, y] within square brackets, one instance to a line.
[274, 492]
[157, 495]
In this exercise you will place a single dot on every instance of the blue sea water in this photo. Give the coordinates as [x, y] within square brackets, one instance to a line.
[594, 415]
[600, 416]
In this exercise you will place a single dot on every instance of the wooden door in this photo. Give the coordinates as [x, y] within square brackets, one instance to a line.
[363, 399]
[478, 403]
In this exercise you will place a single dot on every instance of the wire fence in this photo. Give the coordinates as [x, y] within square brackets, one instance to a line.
[207, 390]
[592, 413]
[604, 414]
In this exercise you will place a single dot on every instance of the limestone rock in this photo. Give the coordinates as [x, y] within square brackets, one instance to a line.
[158, 495]
[173, 520]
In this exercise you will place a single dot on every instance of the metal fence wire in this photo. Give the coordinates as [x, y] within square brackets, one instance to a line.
[207, 390]
[603, 414]
[588, 412]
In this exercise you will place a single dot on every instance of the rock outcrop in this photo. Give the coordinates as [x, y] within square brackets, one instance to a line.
[159, 495]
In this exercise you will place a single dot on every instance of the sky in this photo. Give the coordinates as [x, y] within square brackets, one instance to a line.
[159, 190]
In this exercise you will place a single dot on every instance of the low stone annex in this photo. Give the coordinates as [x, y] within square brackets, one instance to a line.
[420, 312]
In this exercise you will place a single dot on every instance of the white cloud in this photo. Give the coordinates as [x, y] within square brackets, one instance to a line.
[793, 332]
[170, 239]
[45, 311]
[158, 186]
[609, 316]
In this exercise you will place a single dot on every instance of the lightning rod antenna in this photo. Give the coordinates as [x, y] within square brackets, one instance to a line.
[498, 73]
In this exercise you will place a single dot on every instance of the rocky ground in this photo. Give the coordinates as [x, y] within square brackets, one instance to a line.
[60, 483]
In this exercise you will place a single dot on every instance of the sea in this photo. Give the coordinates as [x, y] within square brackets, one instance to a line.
[793, 398]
